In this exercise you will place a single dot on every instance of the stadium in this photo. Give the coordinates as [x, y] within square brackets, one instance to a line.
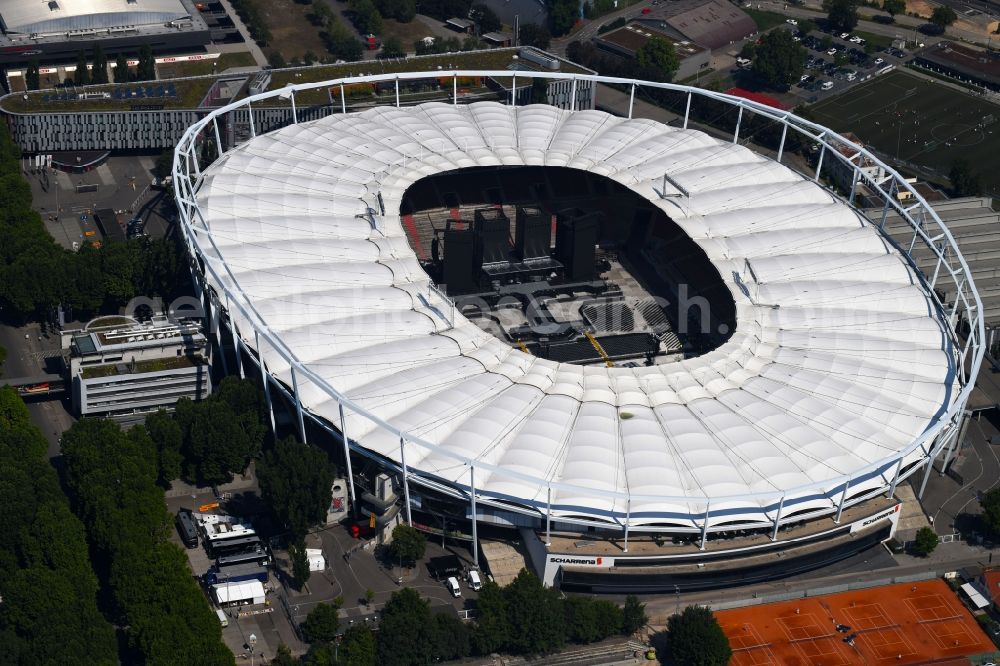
[826, 370]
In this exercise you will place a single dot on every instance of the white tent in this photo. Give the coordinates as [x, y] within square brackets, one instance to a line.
[243, 592]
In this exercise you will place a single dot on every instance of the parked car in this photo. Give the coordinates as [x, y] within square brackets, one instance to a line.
[791, 21]
[452, 585]
[475, 582]
[832, 51]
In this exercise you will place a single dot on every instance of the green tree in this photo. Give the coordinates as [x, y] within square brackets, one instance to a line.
[49, 612]
[393, 48]
[81, 76]
[659, 55]
[925, 541]
[111, 476]
[492, 631]
[168, 438]
[341, 43]
[402, 639]
[991, 510]
[401, 10]
[485, 18]
[964, 181]
[276, 60]
[408, 543]
[590, 620]
[943, 16]
[358, 647]
[146, 70]
[321, 624]
[283, 657]
[843, 14]
[300, 564]
[893, 7]
[695, 638]
[532, 34]
[32, 79]
[778, 60]
[100, 72]
[634, 615]
[295, 482]
[121, 68]
[449, 637]
[365, 16]
[806, 26]
[563, 15]
[535, 615]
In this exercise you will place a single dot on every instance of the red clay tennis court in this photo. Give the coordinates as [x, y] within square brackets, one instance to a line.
[908, 623]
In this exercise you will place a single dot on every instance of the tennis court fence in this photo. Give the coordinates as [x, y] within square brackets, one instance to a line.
[760, 599]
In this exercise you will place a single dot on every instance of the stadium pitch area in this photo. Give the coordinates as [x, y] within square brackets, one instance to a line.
[920, 122]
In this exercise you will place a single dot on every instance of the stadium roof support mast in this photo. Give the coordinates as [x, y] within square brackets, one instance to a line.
[963, 313]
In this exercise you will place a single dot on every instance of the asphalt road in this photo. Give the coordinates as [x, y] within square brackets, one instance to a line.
[26, 358]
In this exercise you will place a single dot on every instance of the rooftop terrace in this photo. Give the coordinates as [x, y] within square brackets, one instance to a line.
[189, 93]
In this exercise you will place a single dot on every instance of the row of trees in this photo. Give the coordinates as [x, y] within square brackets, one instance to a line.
[36, 274]
[111, 477]
[842, 15]
[49, 613]
[522, 618]
[145, 71]
[563, 15]
[249, 13]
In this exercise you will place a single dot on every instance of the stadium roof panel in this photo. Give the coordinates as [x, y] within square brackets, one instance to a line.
[838, 360]
[38, 16]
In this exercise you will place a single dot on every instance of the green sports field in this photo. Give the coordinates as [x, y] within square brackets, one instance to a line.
[921, 123]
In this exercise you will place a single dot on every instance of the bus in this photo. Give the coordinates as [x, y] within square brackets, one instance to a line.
[221, 548]
[259, 556]
[187, 529]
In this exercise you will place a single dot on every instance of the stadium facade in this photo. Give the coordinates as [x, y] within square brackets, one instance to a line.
[58, 30]
[846, 373]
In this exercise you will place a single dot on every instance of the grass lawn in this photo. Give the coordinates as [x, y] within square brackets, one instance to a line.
[765, 20]
[407, 33]
[878, 41]
[203, 67]
[291, 32]
[920, 123]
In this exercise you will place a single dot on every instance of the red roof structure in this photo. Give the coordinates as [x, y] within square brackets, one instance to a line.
[760, 98]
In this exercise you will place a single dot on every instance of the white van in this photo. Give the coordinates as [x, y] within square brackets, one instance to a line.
[452, 585]
[475, 582]
[223, 620]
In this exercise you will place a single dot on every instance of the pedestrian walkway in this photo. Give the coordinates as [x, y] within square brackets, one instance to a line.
[255, 51]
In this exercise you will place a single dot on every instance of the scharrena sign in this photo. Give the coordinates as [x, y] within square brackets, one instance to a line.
[892, 514]
[589, 561]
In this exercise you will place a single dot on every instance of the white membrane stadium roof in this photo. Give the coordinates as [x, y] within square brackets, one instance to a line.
[841, 363]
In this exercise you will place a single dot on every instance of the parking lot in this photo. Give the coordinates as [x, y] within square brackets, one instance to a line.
[352, 569]
[67, 201]
[836, 62]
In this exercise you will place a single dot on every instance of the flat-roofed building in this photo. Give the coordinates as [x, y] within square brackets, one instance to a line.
[124, 369]
[59, 29]
[713, 24]
[627, 40]
[960, 61]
